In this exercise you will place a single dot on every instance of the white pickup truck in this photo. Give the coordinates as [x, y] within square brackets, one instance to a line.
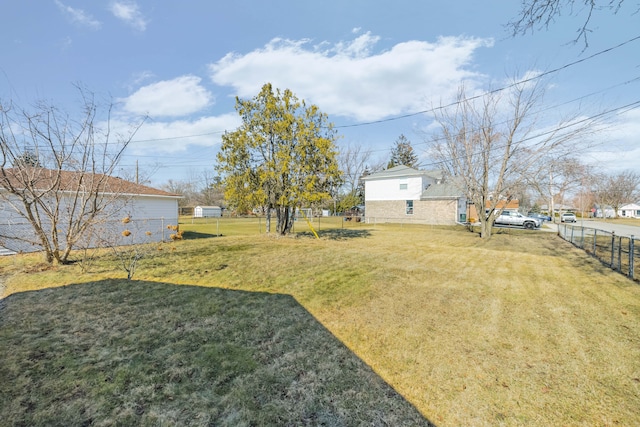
[517, 219]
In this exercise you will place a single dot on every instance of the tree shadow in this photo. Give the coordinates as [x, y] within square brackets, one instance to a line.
[338, 234]
[142, 353]
[190, 235]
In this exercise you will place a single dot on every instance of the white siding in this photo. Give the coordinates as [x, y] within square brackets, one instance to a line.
[152, 207]
[629, 211]
[148, 213]
[389, 189]
[207, 211]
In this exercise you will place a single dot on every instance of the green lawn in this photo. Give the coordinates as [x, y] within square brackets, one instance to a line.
[367, 325]
[145, 353]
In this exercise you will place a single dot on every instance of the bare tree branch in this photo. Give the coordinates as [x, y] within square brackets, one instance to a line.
[491, 146]
[537, 14]
[69, 186]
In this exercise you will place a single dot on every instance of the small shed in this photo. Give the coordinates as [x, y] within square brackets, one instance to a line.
[207, 212]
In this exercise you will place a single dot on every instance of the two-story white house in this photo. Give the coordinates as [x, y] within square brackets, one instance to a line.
[405, 194]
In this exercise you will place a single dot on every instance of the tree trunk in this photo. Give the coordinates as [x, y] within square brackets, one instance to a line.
[285, 219]
[291, 211]
[268, 230]
[485, 228]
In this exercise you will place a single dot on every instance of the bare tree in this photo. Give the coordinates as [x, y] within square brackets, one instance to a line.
[211, 189]
[617, 190]
[184, 188]
[490, 146]
[556, 178]
[66, 186]
[543, 13]
[353, 160]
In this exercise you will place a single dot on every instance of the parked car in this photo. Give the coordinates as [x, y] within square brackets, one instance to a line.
[517, 219]
[540, 216]
[568, 217]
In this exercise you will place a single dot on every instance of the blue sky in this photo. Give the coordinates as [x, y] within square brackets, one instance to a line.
[182, 63]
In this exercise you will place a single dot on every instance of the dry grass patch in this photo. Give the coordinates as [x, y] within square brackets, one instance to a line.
[521, 330]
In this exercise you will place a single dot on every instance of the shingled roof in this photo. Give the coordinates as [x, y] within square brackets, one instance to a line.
[402, 171]
[48, 179]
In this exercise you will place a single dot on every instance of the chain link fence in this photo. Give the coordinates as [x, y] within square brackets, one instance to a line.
[20, 237]
[621, 253]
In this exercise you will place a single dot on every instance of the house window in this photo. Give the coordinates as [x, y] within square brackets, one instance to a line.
[403, 186]
[409, 207]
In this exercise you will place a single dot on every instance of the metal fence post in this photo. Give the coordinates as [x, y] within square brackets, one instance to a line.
[595, 240]
[631, 256]
[620, 254]
[613, 247]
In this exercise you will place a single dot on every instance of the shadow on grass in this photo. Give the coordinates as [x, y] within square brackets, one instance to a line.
[338, 234]
[197, 235]
[142, 353]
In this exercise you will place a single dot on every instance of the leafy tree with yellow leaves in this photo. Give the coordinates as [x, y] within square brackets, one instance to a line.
[281, 158]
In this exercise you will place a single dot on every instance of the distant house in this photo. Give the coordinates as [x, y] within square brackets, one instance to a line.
[603, 212]
[150, 211]
[405, 194]
[207, 212]
[631, 210]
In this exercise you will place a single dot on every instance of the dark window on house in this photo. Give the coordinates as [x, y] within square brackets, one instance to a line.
[409, 207]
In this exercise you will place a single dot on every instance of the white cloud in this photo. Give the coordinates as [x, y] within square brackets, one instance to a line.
[177, 136]
[129, 12]
[349, 79]
[78, 16]
[169, 98]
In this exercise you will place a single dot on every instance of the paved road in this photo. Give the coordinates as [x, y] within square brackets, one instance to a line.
[620, 229]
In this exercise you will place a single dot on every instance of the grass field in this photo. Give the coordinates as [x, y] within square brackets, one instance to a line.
[370, 324]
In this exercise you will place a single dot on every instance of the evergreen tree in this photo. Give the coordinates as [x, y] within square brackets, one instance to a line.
[282, 157]
[402, 154]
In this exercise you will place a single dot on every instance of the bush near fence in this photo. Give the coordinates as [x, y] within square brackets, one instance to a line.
[621, 253]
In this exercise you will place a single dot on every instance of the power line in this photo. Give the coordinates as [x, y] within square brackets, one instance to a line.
[527, 80]
[617, 110]
[541, 110]
[404, 116]
[180, 137]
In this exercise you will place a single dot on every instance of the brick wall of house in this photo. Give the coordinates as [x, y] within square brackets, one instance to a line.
[438, 212]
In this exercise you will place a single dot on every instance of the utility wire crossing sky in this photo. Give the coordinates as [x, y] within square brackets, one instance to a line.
[378, 69]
